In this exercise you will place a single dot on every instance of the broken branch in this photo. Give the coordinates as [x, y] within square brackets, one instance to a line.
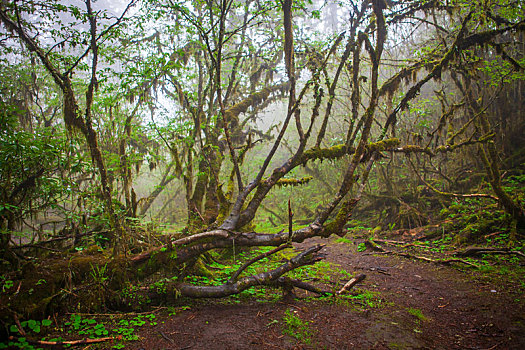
[351, 283]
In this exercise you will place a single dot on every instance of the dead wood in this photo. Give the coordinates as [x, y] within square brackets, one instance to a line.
[269, 278]
[285, 281]
[18, 325]
[351, 283]
[69, 342]
[198, 236]
[373, 246]
[424, 258]
[379, 250]
[474, 251]
[223, 240]
[57, 239]
[179, 242]
[401, 244]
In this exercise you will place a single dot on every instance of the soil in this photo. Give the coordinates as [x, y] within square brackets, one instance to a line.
[459, 308]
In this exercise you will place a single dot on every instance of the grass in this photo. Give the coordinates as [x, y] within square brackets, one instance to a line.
[418, 314]
[296, 328]
[343, 240]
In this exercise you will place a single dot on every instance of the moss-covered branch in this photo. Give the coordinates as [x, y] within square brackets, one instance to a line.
[232, 114]
[293, 182]
[408, 149]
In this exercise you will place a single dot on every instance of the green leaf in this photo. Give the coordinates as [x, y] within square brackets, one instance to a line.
[31, 324]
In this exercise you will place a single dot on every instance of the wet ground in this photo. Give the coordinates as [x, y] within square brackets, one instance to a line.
[416, 305]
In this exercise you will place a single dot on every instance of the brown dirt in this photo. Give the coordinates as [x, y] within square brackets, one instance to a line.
[463, 312]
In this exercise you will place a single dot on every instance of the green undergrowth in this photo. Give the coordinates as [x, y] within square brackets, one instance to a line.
[483, 221]
[503, 272]
[120, 329]
[507, 268]
[296, 327]
[362, 299]
[473, 221]
[123, 327]
[322, 272]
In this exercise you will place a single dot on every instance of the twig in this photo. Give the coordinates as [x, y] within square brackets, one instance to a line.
[166, 337]
[19, 326]
[373, 246]
[424, 258]
[119, 314]
[70, 342]
[449, 194]
[398, 243]
[290, 217]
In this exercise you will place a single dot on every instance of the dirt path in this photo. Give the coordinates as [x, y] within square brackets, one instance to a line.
[423, 306]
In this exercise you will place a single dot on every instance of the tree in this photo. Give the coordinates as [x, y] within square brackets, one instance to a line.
[209, 60]
[73, 118]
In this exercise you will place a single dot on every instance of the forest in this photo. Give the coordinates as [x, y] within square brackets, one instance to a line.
[258, 174]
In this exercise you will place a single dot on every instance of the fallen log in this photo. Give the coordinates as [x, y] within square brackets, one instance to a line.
[474, 251]
[268, 278]
[227, 239]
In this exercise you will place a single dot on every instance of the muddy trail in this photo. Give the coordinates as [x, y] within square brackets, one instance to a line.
[415, 305]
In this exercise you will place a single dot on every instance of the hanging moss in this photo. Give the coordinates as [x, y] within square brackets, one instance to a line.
[338, 151]
[232, 113]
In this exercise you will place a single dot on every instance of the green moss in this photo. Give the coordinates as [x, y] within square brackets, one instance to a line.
[414, 148]
[417, 313]
[200, 269]
[293, 182]
[58, 284]
[336, 225]
[383, 145]
[330, 153]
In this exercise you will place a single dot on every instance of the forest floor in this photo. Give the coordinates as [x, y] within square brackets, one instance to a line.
[402, 304]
